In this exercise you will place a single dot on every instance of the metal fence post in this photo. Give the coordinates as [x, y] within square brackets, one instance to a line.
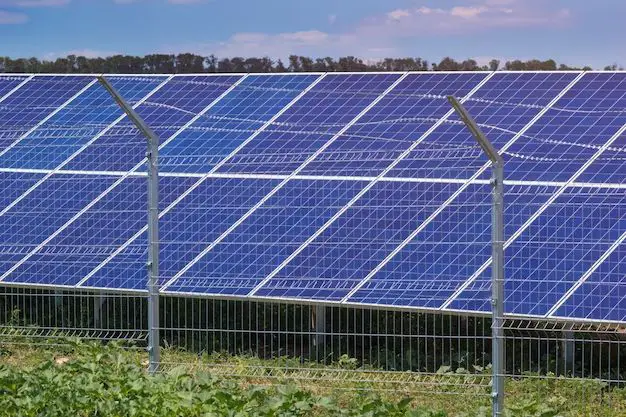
[497, 253]
[497, 287]
[152, 157]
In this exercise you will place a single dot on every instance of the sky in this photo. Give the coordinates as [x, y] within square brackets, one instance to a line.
[574, 32]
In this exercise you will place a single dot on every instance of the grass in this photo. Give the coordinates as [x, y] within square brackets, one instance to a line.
[95, 380]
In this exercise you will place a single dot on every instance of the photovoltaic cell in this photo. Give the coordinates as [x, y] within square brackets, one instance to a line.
[199, 218]
[67, 258]
[310, 123]
[437, 261]
[603, 295]
[521, 203]
[238, 263]
[32, 102]
[335, 262]
[502, 107]
[560, 247]
[72, 127]
[393, 124]
[37, 216]
[232, 120]
[9, 82]
[572, 131]
[165, 112]
[610, 167]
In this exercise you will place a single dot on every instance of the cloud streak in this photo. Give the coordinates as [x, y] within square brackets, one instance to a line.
[12, 18]
[377, 36]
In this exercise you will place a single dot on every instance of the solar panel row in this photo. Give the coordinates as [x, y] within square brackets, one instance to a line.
[354, 188]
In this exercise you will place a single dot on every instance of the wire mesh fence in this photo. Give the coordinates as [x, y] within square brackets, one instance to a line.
[312, 229]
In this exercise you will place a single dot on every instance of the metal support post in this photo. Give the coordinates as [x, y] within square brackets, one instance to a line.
[497, 289]
[497, 253]
[567, 353]
[319, 329]
[152, 156]
[58, 306]
[98, 303]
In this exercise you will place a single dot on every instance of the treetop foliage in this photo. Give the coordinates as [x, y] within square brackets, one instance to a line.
[191, 63]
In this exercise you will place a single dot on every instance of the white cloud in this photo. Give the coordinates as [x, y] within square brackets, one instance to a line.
[398, 14]
[468, 12]
[12, 18]
[382, 35]
[88, 53]
[332, 18]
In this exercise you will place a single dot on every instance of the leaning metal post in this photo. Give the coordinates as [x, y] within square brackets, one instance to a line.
[497, 266]
[152, 156]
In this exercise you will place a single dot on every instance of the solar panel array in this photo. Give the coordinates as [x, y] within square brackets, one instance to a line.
[355, 189]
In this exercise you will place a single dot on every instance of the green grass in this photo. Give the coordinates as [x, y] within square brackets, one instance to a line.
[82, 379]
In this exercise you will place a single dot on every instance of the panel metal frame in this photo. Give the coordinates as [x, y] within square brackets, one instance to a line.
[537, 214]
[78, 151]
[202, 179]
[457, 193]
[278, 187]
[366, 189]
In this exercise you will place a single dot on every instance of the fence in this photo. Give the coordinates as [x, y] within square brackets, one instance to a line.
[329, 345]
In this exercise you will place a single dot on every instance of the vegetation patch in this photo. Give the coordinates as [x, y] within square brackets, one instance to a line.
[87, 379]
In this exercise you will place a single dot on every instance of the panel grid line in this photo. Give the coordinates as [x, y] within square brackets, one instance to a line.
[586, 275]
[458, 192]
[14, 89]
[47, 176]
[203, 178]
[78, 151]
[536, 215]
[48, 117]
[284, 182]
[366, 189]
[304, 177]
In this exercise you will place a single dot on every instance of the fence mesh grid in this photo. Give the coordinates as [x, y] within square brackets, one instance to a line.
[281, 220]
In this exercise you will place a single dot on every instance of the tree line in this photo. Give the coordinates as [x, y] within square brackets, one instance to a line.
[192, 63]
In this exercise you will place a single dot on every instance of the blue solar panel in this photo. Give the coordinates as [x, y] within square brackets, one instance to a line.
[310, 123]
[572, 131]
[560, 246]
[608, 167]
[390, 127]
[268, 188]
[165, 112]
[73, 126]
[244, 257]
[8, 83]
[433, 264]
[496, 108]
[46, 209]
[74, 252]
[232, 120]
[334, 263]
[521, 203]
[602, 296]
[199, 218]
[33, 101]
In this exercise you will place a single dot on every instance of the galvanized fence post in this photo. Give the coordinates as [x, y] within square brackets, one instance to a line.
[497, 253]
[152, 157]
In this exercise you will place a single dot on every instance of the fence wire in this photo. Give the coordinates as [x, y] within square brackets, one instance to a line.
[312, 228]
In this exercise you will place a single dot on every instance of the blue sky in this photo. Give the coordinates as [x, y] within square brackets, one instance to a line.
[576, 32]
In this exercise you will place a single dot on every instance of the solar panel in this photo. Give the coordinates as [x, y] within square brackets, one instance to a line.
[336, 188]
[35, 101]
